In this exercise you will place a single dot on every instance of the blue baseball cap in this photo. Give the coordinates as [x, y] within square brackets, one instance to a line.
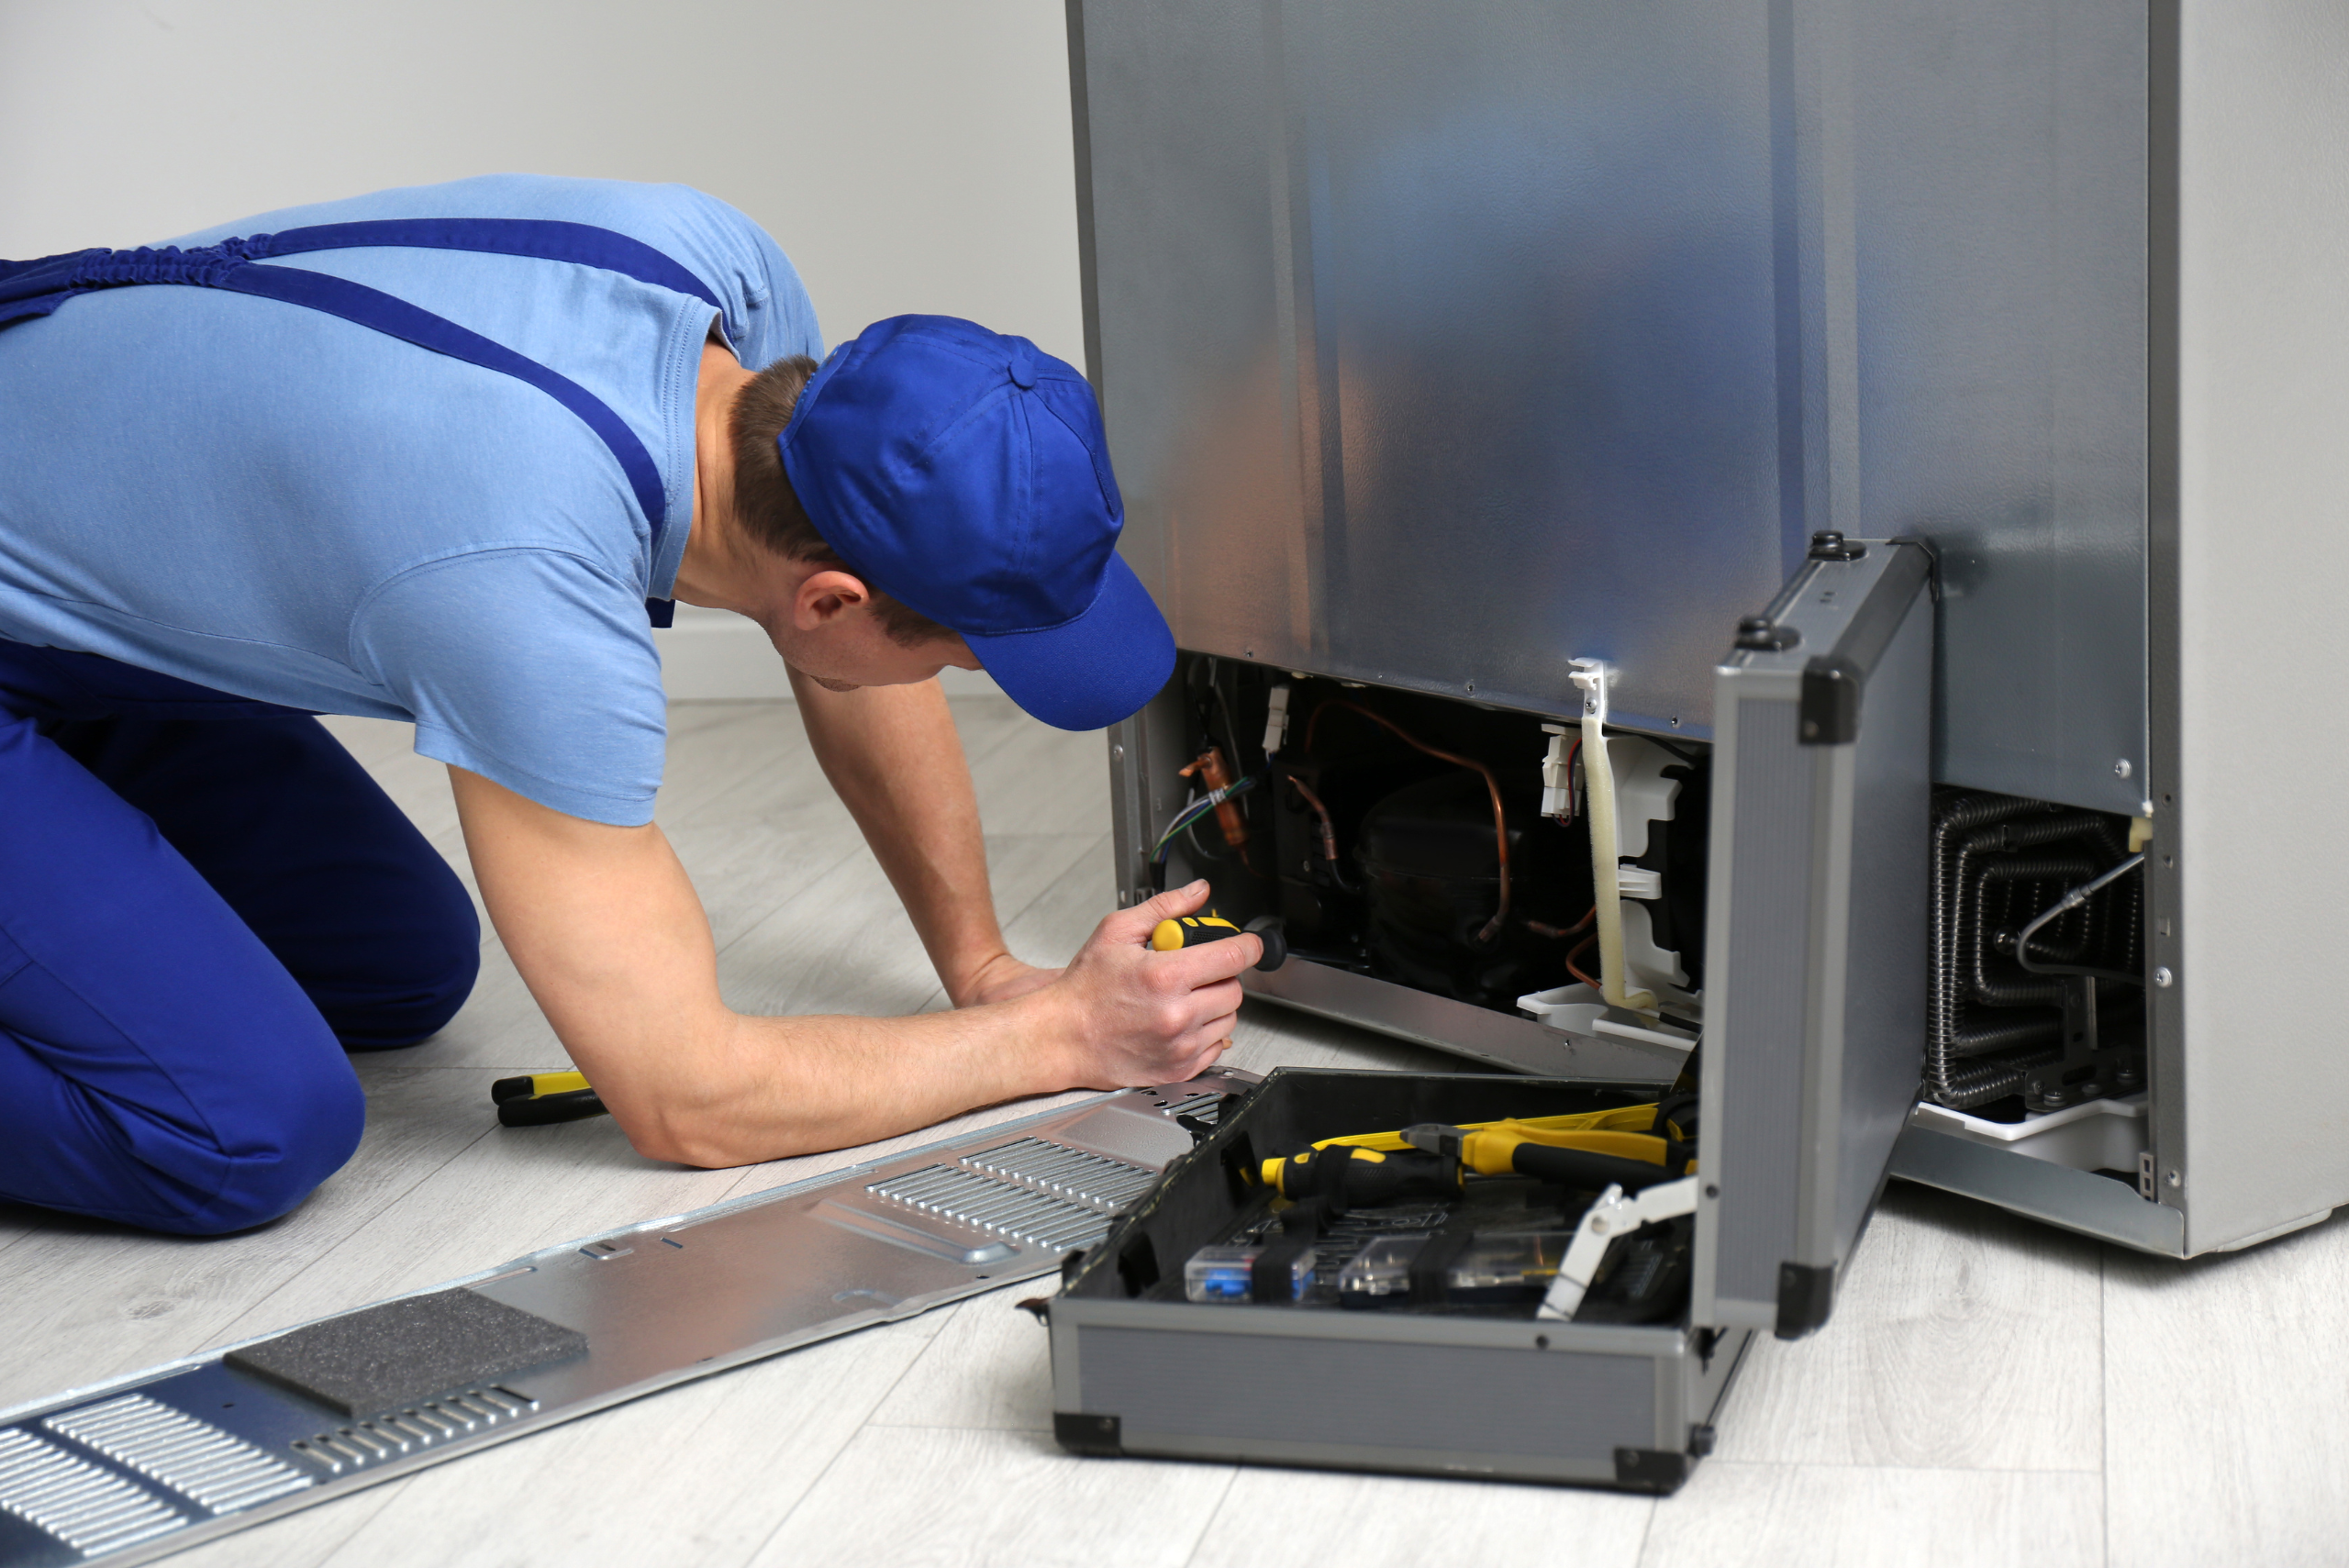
[964, 474]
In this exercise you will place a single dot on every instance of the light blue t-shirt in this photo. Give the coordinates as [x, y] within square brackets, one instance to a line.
[277, 503]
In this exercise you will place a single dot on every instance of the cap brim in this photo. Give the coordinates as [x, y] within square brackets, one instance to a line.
[1089, 672]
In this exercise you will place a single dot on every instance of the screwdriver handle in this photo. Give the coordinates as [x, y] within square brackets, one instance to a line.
[541, 1099]
[545, 1110]
[1192, 930]
[530, 1084]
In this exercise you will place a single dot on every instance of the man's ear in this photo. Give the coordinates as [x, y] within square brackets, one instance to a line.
[825, 597]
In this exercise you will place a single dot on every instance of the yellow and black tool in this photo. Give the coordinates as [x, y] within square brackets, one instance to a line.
[1589, 1151]
[541, 1099]
[1349, 1177]
[1190, 931]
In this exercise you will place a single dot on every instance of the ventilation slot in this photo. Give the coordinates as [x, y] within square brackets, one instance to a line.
[90, 1509]
[1089, 1179]
[983, 1203]
[193, 1458]
[405, 1431]
[1201, 1109]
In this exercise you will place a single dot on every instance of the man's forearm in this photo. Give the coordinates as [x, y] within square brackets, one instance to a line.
[775, 1087]
[605, 928]
[893, 756]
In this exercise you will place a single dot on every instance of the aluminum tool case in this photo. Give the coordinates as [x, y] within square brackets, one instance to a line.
[1613, 1405]
[1439, 346]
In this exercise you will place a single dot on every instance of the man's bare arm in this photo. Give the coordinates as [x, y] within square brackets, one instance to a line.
[611, 939]
[892, 756]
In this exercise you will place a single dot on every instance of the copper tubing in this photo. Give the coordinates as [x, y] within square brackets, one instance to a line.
[1543, 929]
[1209, 766]
[1493, 787]
[1575, 969]
[1329, 832]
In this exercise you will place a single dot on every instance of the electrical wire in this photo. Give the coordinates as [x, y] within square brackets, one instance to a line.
[1238, 758]
[1688, 757]
[1197, 809]
[1492, 928]
[1209, 671]
[1231, 725]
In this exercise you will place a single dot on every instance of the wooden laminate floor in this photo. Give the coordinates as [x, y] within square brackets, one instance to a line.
[1989, 1392]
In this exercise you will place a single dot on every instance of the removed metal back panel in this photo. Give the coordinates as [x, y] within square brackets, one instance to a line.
[165, 1458]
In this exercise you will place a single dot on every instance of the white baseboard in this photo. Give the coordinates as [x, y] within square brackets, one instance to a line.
[715, 656]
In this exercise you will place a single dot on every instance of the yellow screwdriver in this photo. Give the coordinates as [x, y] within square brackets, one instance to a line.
[1191, 930]
[541, 1099]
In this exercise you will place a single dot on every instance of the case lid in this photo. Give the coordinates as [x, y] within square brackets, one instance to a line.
[1816, 939]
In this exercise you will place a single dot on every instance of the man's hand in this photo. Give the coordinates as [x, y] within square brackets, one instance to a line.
[1138, 1017]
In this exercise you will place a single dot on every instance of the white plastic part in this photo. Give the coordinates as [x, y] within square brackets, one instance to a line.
[1644, 795]
[1606, 854]
[1638, 882]
[1578, 1009]
[1557, 778]
[2095, 1135]
[1276, 720]
[1611, 1216]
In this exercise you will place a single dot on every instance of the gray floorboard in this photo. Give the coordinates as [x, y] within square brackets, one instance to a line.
[1991, 1391]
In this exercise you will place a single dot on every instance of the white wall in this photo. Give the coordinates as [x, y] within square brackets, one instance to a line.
[909, 155]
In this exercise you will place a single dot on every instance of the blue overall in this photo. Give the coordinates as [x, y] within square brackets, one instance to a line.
[203, 901]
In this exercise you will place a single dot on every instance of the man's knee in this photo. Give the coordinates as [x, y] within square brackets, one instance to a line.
[219, 1152]
[409, 990]
[282, 1150]
[311, 1139]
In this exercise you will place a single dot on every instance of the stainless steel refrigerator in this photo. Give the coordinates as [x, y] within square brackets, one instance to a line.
[1451, 352]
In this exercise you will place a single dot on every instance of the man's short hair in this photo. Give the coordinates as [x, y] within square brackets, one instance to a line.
[769, 509]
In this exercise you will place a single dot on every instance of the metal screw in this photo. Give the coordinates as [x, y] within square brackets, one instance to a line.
[1472, 688]
[1713, 1190]
[2164, 978]
[1676, 721]
[1247, 653]
[2121, 770]
[2172, 1179]
[1116, 752]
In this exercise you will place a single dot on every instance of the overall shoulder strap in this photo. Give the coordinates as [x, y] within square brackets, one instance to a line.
[544, 239]
[34, 288]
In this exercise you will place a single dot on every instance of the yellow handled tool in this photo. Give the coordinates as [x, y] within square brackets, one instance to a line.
[1363, 1178]
[1190, 931]
[540, 1099]
[1625, 1131]
[1590, 1150]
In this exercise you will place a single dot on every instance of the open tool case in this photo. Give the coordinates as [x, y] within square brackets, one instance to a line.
[1815, 951]
[1453, 1383]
